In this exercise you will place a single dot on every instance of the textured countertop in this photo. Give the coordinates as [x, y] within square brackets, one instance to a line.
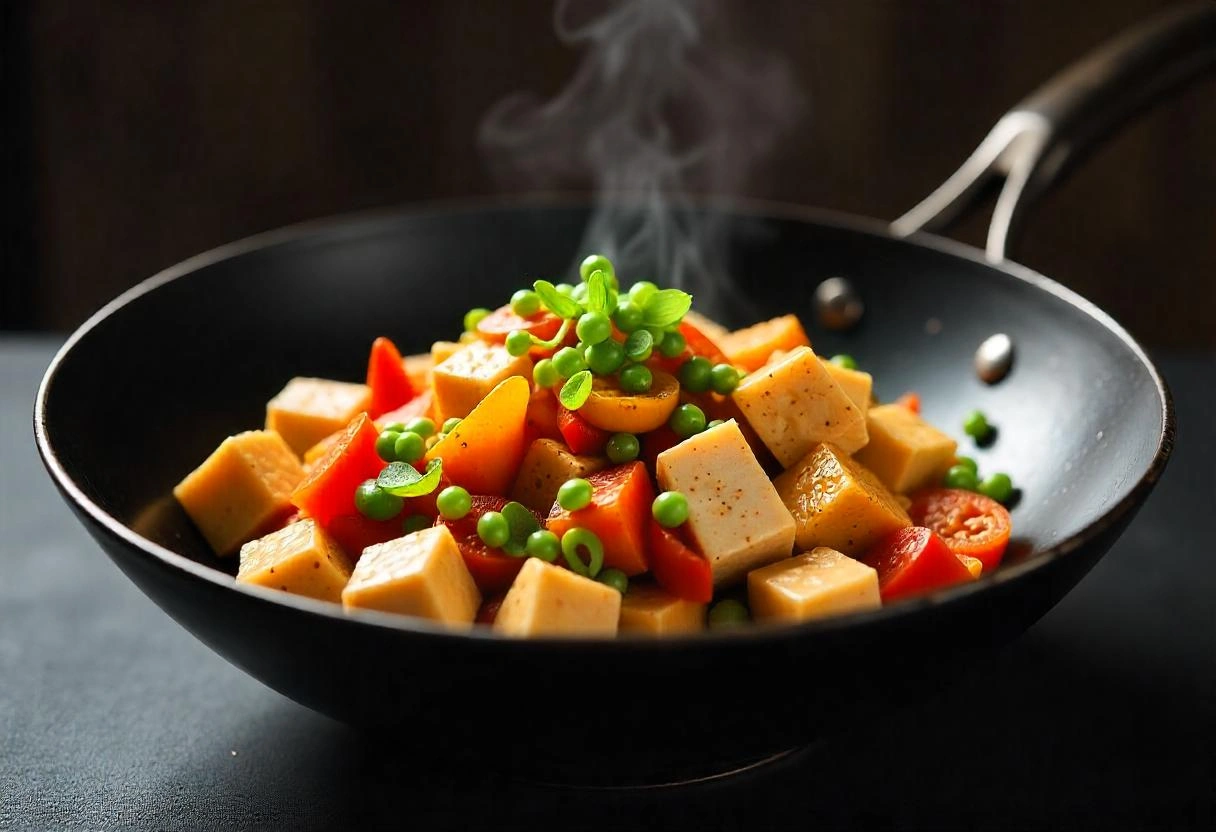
[1102, 716]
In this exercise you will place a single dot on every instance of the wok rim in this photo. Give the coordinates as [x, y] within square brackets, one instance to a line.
[166, 559]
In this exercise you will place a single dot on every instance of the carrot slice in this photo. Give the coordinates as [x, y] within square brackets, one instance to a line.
[752, 346]
[387, 378]
[610, 408]
[618, 513]
[484, 452]
[328, 491]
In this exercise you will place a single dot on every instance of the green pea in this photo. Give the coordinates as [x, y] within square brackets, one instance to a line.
[672, 344]
[968, 462]
[641, 292]
[375, 503]
[715, 423]
[416, 523]
[450, 425]
[421, 425]
[960, 476]
[639, 346]
[696, 374]
[545, 374]
[579, 293]
[395, 427]
[409, 447]
[493, 529]
[518, 342]
[580, 538]
[596, 262]
[565, 289]
[846, 361]
[593, 327]
[525, 303]
[606, 357]
[670, 509]
[628, 316]
[728, 613]
[687, 420]
[568, 361]
[453, 502]
[636, 378]
[574, 494]
[473, 317]
[998, 487]
[385, 443]
[543, 544]
[723, 378]
[614, 578]
[623, 447]
[975, 425]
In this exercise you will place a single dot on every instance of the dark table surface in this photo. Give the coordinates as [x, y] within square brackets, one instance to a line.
[1102, 716]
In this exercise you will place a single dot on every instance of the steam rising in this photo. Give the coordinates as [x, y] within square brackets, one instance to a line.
[660, 106]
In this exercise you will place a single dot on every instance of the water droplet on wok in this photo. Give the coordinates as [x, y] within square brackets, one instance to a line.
[994, 358]
[838, 304]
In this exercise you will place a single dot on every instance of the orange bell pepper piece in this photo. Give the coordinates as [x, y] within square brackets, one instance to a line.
[484, 452]
[328, 491]
[618, 513]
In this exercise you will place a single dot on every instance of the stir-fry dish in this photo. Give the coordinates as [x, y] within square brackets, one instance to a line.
[588, 460]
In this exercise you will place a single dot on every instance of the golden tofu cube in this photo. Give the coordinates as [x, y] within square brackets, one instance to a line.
[300, 558]
[462, 380]
[441, 351]
[546, 600]
[420, 574]
[818, 584]
[309, 409]
[905, 451]
[838, 503]
[241, 491]
[794, 404]
[650, 610]
[735, 516]
[712, 330]
[546, 466]
[858, 386]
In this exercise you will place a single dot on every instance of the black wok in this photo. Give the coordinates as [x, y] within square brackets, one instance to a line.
[146, 388]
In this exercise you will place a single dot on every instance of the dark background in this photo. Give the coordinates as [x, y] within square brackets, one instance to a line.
[138, 134]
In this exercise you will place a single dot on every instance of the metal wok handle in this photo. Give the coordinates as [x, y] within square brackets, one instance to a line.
[1032, 145]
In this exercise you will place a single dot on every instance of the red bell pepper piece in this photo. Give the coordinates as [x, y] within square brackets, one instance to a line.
[912, 561]
[495, 327]
[677, 568]
[580, 435]
[328, 491]
[621, 497]
[354, 532]
[492, 569]
[386, 376]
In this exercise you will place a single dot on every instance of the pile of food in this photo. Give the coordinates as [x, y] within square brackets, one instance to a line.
[587, 460]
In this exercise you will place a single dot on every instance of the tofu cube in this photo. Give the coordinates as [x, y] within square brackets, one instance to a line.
[441, 351]
[838, 503]
[242, 490]
[905, 451]
[794, 404]
[463, 379]
[735, 516]
[300, 558]
[547, 464]
[650, 610]
[420, 574]
[858, 386]
[818, 584]
[309, 409]
[546, 600]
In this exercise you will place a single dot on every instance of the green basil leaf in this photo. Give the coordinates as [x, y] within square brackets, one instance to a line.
[575, 391]
[555, 301]
[597, 292]
[403, 479]
[522, 523]
[666, 307]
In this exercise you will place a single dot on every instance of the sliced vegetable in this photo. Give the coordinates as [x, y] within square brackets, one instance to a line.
[610, 408]
[914, 561]
[387, 378]
[497, 325]
[484, 451]
[751, 348]
[578, 540]
[354, 532]
[328, 491]
[970, 524]
[542, 417]
[677, 568]
[403, 480]
[618, 514]
[492, 570]
[581, 436]
[909, 400]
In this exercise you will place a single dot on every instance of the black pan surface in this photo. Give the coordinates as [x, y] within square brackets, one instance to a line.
[149, 386]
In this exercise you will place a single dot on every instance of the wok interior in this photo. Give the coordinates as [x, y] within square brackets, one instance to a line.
[148, 392]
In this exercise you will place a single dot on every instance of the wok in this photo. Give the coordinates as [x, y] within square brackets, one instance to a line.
[145, 389]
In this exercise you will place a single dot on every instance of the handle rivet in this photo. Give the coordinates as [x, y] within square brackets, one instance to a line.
[838, 304]
[994, 358]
